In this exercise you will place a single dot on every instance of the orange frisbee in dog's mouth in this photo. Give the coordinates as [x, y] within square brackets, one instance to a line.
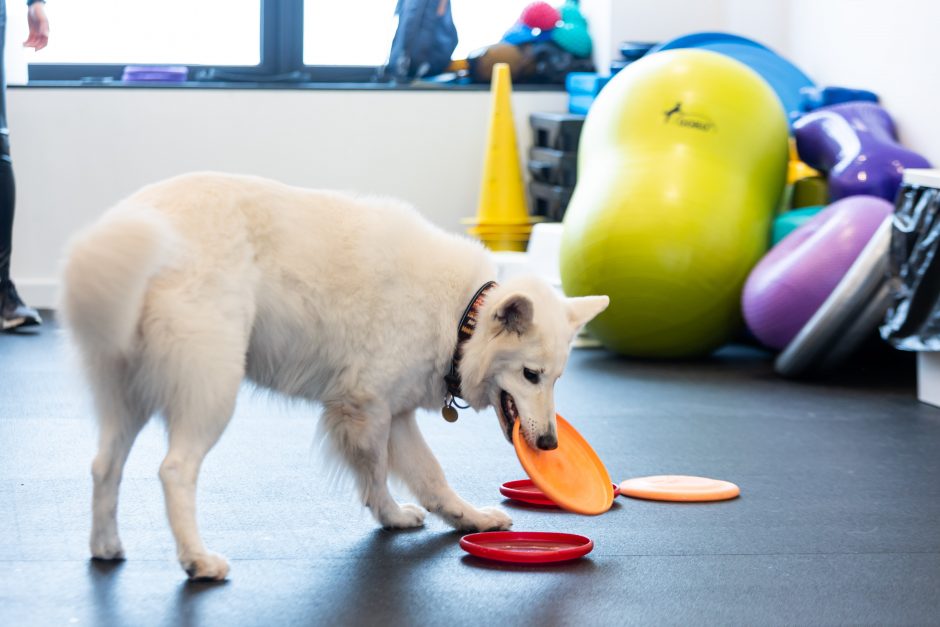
[571, 475]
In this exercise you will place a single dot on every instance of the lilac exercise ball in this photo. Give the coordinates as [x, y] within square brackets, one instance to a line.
[794, 279]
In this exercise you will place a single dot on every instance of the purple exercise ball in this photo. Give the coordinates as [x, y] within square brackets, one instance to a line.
[796, 277]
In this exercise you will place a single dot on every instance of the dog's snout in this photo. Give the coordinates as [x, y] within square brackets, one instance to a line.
[547, 442]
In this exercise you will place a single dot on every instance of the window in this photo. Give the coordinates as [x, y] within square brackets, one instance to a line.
[353, 32]
[244, 40]
[483, 22]
[360, 32]
[208, 32]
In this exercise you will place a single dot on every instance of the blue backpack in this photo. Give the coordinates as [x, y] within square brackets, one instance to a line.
[424, 42]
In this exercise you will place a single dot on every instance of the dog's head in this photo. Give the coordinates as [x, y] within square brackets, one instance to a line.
[518, 351]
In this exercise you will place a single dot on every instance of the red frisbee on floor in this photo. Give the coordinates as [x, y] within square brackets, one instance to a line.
[526, 491]
[526, 547]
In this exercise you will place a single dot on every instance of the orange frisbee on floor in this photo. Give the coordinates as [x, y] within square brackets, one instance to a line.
[572, 475]
[679, 488]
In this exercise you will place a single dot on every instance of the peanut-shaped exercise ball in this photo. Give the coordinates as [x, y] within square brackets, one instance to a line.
[682, 161]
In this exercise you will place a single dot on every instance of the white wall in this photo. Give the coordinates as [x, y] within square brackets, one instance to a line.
[616, 21]
[77, 151]
[892, 48]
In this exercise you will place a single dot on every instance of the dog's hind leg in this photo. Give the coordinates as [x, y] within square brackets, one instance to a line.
[120, 419]
[208, 370]
[412, 460]
[359, 432]
[195, 425]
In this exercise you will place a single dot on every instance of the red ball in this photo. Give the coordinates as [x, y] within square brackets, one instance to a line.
[540, 15]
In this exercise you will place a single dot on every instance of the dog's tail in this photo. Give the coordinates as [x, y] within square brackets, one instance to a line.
[105, 277]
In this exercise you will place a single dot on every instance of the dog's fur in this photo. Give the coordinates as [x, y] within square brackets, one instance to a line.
[191, 285]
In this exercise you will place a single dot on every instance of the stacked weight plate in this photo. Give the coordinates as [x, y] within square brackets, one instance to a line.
[553, 161]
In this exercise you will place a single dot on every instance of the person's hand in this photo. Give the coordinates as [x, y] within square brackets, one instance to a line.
[38, 26]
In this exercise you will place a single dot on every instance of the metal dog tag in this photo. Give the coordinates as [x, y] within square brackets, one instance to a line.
[449, 413]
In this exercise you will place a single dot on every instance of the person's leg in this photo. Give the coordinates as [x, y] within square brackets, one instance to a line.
[13, 312]
[7, 188]
[7, 198]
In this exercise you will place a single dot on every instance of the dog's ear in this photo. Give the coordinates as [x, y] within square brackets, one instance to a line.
[514, 313]
[582, 310]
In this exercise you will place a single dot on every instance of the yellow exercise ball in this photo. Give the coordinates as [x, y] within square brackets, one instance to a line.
[682, 161]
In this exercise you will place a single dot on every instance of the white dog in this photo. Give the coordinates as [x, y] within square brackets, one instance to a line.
[191, 285]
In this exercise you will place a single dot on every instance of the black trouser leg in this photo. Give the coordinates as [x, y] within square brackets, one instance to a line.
[7, 188]
[7, 204]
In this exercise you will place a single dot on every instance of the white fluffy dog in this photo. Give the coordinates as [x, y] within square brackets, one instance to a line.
[191, 285]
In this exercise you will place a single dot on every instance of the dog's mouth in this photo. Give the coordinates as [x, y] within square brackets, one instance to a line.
[508, 413]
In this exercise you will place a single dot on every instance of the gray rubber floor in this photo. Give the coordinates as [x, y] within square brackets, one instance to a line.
[838, 522]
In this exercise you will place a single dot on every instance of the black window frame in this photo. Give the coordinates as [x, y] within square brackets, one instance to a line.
[281, 62]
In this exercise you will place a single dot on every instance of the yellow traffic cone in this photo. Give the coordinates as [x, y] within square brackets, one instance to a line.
[502, 221]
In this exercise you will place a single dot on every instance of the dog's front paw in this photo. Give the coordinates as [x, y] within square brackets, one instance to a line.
[483, 519]
[106, 548]
[405, 517]
[205, 566]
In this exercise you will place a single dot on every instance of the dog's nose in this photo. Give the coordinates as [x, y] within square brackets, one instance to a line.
[547, 442]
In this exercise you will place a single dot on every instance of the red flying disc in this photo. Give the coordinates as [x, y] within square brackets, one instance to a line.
[526, 491]
[526, 547]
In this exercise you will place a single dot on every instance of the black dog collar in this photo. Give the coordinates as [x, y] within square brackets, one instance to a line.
[468, 322]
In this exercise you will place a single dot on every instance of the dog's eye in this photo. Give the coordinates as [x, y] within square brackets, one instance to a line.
[531, 376]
